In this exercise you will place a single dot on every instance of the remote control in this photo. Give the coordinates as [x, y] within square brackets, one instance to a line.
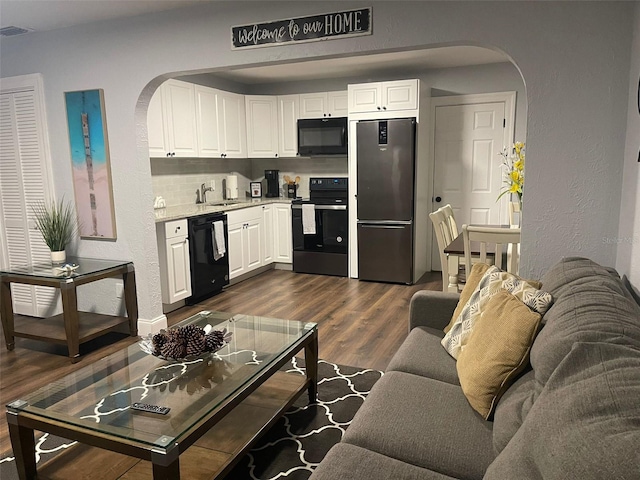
[144, 407]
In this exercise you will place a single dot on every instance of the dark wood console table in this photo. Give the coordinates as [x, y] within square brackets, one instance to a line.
[71, 327]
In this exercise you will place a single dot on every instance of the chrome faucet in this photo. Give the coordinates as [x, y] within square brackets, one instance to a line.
[203, 191]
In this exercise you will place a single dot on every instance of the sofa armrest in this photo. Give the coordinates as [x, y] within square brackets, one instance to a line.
[432, 309]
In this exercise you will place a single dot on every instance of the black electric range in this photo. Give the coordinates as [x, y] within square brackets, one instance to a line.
[320, 237]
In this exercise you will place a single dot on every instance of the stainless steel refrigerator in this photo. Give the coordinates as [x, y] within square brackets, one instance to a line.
[386, 171]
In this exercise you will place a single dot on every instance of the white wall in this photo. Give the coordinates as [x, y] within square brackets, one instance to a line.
[574, 58]
[628, 238]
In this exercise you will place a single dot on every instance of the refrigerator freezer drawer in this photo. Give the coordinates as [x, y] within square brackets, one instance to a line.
[385, 252]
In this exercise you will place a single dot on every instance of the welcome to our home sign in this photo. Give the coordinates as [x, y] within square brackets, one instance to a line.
[303, 29]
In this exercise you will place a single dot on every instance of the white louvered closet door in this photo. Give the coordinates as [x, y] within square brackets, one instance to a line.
[24, 180]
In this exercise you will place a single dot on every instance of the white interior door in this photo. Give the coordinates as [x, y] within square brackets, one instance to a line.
[24, 180]
[468, 140]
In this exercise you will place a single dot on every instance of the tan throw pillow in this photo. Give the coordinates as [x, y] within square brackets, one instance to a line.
[497, 350]
[492, 281]
[473, 279]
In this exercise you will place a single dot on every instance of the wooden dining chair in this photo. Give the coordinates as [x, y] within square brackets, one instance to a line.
[505, 241]
[446, 230]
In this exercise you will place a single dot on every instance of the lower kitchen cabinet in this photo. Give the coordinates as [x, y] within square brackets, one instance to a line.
[282, 236]
[267, 234]
[245, 239]
[173, 250]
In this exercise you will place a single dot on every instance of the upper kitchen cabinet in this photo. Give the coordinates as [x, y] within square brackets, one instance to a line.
[262, 126]
[171, 121]
[383, 96]
[207, 122]
[323, 104]
[232, 124]
[288, 114]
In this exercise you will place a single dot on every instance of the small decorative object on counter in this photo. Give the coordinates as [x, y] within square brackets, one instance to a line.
[256, 189]
[187, 341]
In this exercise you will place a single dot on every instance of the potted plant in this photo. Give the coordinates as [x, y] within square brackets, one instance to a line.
[57, 224]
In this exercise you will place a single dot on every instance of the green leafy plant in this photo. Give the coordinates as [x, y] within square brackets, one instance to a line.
[56, 222]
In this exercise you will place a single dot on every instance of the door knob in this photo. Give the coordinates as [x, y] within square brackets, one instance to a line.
[438, 199]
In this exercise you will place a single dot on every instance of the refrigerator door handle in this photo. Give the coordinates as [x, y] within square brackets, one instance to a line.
[386, 227]
[400, 223]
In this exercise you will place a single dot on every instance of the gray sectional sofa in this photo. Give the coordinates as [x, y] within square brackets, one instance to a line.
[574, 413]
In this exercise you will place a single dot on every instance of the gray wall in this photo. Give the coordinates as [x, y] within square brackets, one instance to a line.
[574, 58]
[628, 238]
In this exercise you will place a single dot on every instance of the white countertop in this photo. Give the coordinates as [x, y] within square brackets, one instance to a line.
[192, 210]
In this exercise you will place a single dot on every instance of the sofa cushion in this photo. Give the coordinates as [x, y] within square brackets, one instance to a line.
[473, 279]
[492, 282]
[424, 422]
[497, 351]
[513, 408]
[345, 461]
[422, 354]
[591, 305]
[586, 422]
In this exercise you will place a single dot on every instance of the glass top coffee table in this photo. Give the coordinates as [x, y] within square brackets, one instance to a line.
[92, 405]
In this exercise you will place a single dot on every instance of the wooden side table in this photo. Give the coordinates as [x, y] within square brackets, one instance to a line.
[71, 327]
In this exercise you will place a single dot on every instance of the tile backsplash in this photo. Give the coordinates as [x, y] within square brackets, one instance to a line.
[177, 179]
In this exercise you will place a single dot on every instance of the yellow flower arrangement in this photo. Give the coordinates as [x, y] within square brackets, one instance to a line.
[514, 174]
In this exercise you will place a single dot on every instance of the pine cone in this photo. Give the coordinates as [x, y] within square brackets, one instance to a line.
[173, 350]
[158, 340]
[214, 340]
[196, 345]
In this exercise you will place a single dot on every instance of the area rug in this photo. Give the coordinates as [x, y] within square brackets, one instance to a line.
[295, 445]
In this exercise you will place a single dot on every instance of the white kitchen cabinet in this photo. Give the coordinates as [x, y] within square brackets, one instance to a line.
[171, 121]
[288, 114]
[180, 118]
[207, 122]
[245, 240]
[156, 128]
[383, 96]
[233, 125]
[173, 249]
[262, 126]
[282, 239]
[323, 104]
[267, 234]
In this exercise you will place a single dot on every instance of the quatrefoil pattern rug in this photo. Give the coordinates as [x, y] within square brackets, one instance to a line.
[295, 445]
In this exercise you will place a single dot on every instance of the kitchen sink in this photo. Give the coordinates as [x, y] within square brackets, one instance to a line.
[224, 203]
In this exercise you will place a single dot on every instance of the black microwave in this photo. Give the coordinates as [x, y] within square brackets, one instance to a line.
[322, 136]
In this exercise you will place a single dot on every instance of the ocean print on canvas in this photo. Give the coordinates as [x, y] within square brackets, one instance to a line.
[90, 161]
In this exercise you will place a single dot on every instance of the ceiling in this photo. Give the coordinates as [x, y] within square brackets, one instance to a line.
[45, 15]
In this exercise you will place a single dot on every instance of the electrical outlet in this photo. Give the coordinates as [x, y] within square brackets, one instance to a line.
[119, 290]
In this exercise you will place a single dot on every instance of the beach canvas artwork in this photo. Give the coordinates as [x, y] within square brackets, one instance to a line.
[90, 160]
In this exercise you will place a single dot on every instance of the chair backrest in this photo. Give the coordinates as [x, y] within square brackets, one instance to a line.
[504, 240]
[446, 230]
[514, 208]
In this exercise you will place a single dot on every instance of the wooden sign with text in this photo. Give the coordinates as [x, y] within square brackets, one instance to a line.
[304, 29]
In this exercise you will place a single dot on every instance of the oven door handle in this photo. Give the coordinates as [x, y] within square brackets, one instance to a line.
[322, 207]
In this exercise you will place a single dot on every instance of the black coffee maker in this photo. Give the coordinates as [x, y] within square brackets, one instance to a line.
[273, 184]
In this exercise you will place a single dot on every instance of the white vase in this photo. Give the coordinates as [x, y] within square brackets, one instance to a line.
[58, 257]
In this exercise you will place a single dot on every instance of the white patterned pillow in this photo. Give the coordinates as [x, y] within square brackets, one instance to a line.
[491, 283]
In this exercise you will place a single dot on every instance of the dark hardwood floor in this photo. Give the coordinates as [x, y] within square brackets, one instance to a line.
[361, 324]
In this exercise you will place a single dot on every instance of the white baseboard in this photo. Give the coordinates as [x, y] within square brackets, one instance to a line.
[145, 327]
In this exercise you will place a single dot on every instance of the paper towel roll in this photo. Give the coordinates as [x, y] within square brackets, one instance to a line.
[232, 187]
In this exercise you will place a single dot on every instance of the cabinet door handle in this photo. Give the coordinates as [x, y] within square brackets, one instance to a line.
[378, 108]
[384, 108]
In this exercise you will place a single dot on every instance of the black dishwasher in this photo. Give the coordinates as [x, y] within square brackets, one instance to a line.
[208, 275]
